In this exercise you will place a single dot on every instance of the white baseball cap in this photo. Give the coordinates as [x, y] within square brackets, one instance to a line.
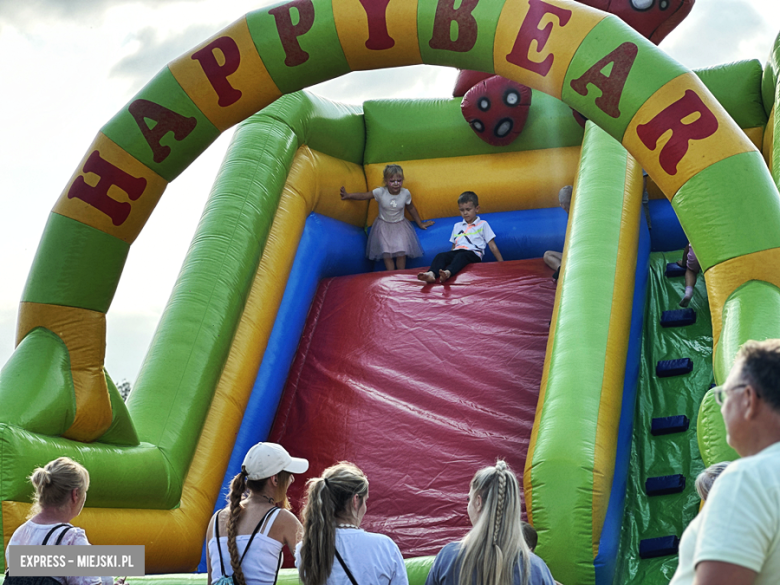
[267, 459]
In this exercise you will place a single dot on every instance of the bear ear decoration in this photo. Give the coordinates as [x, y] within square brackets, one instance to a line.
[468, 79]
[497, 109]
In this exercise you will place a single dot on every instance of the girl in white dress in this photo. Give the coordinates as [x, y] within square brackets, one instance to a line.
[392, 237]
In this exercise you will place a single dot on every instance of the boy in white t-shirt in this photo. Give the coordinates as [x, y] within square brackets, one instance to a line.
[469, 239]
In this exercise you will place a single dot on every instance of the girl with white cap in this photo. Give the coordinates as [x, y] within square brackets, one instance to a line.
[246, 538]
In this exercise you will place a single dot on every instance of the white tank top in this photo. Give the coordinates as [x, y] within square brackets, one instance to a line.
[260, 563]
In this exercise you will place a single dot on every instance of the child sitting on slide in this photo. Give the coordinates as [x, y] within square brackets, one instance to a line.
[469, 238]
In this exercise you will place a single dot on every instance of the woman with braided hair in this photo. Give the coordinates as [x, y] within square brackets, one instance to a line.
[494, 551]
[247, 537]
[334, 549]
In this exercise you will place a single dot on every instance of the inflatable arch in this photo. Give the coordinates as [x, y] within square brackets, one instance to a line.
[661, 113]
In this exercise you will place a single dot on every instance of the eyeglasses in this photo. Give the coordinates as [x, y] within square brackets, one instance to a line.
[721, 392]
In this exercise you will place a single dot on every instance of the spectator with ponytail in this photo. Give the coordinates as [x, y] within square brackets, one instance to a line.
[494, 551]
[334, 549]
[60, 492]
[246, 539]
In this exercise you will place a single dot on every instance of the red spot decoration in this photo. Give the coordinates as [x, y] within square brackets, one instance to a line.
[496, 109]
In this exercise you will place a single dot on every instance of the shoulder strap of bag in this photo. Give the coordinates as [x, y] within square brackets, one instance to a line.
[254, 533]
[279, 566]
[219, 548]
[346, 568]
[59, 540]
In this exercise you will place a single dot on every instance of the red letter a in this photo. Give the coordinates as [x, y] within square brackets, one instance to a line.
[611, 85]
[165, 121]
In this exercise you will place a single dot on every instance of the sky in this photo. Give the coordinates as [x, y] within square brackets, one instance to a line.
[68, 66]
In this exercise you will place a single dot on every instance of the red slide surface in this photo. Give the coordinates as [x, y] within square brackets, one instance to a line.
[419, 386]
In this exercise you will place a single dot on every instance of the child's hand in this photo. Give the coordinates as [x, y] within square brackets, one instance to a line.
[344, 194]
[426, 224]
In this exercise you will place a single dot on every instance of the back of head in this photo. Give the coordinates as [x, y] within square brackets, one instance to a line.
[760, 362]
[262, 462]
[564, 195]
[707, 477]
[495, 544]
[530, 535]
[55, 481]
[468, 197]
[327, 498]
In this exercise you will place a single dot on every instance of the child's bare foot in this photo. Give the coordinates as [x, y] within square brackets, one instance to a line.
[444, 275]
[428, 277]
[686, 300]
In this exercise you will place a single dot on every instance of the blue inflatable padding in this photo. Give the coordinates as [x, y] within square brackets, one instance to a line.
[520, 234]
[667, 233]
[678, 318]
[666, 425]
[604, 563]
[344, 247]
[663, 546]
[663, 485]
[674, 270]
[669, 368]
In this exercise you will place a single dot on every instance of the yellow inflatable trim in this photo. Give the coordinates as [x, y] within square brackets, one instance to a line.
[617, 349]
[84, 333]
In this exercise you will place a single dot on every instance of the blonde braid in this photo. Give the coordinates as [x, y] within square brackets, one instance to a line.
[500, 498]
[237, 488]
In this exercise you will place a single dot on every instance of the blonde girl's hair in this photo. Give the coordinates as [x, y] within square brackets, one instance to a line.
[495, 544]
[55, 481]
[327, 497]
[391, 170]
[707, 477]
[238, 487]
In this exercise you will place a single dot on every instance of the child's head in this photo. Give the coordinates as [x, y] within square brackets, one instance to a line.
[707, 477]
[393, 176]
[530, 535]
[468, 205]
[564, 197]
[469, 197]
[391, 171]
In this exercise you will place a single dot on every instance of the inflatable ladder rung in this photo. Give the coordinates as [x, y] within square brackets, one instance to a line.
[662, 546]
[666, 425]
[678, 318]
[663, 485]
[673, 269]
[678, 367]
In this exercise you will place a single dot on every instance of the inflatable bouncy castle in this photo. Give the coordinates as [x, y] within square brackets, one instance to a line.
[279, 329]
